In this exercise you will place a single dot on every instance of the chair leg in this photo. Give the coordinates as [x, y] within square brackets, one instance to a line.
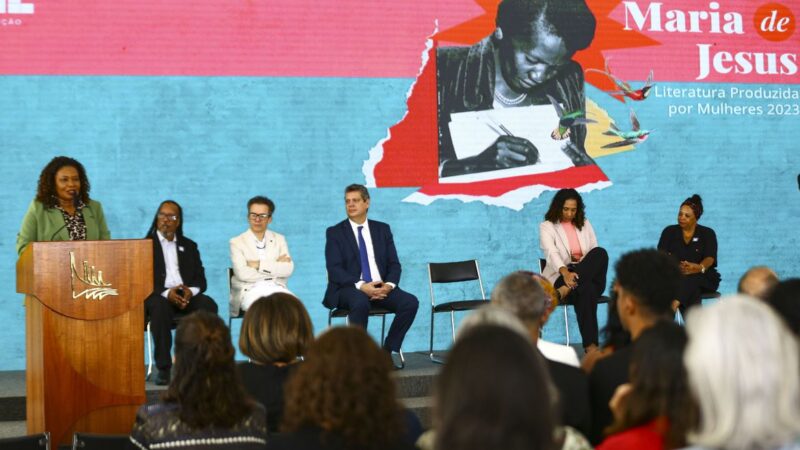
[566, 322]
[453, 324]
[431, 355]
[149, 353]
[383, 329]
[402, 360]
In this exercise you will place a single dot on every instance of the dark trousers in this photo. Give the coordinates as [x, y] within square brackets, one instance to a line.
[591, 272]
[401, 303]
[162, 313]
[692, 287]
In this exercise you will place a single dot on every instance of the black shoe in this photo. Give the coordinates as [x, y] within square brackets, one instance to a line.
[162, 378]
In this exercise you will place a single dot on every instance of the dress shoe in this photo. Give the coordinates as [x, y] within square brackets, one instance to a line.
[162, 377]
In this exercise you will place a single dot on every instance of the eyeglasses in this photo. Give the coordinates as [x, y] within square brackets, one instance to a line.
[254, 216]
[170, 217]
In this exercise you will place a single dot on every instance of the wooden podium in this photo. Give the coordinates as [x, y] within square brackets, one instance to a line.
[84, 324]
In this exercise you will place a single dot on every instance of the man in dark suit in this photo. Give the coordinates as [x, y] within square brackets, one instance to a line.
[521, 294]
[363, 269]
[179, 281]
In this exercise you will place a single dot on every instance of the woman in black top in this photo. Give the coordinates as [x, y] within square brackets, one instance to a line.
[695, 248]
[275, 333]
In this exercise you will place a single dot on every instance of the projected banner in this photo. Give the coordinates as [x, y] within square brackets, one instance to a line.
[497, 114]
[718, 47]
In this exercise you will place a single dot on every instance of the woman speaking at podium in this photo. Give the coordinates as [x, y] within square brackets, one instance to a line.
[62, 209]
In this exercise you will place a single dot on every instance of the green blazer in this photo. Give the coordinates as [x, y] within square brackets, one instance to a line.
[47, 224]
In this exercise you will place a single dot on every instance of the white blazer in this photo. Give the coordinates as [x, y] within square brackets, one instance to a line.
[243, 249]
[555, 246]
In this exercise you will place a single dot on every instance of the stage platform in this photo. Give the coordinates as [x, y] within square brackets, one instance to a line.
[414, 385]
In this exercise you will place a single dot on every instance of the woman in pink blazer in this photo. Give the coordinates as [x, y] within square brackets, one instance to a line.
[575, 264]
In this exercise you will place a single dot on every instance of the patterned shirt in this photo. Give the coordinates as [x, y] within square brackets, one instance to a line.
[76, 226]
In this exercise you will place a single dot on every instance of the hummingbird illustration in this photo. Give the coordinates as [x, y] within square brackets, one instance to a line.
[625, 88]
[635, 136]
[566, 120]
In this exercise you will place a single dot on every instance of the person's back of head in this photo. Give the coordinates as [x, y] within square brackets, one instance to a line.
[743, 365]
[276, 329]
[757, 282]
[521, 294]
[491, 315]
[344, 388]
[494, 392]
[785, 300]
[647, 282]
[659, 385]
[205, 384]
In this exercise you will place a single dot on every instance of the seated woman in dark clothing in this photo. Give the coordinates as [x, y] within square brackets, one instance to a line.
[275, 333]
[344, 397]
[695, 248]
[205, 405]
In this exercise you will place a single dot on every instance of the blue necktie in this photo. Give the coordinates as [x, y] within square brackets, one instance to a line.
[362, 251]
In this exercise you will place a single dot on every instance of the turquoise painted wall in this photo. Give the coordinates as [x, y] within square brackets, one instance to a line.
[212, 143]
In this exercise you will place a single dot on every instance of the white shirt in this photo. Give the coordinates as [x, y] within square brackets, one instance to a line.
[373, 266]
[170, 251]
[557, 352]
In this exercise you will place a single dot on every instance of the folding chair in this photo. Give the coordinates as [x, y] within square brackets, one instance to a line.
[453, 272]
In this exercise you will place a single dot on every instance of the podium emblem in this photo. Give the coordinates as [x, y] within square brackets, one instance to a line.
[93, 285]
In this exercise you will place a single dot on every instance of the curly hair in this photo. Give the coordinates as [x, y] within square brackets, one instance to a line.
[653, 277]
[46, 189]
[345, 388]
[557, 204]
[206, 383]
[659, 385]
[276, 328]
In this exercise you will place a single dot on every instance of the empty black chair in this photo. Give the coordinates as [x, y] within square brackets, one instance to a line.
[88, 441]
[31, 442]
[453, 272]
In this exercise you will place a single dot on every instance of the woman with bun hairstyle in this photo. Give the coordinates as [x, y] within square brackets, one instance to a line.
[695, 248]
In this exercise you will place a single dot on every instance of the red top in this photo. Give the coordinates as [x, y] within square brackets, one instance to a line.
[649, 436]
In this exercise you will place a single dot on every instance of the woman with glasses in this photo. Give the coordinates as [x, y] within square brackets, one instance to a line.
[260, 258]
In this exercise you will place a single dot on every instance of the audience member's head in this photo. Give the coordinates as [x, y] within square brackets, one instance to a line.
[492, 315]
[614, 336]
[521, 294]
[785, 299]
[276, 329]
[743, 368]
[647, 282]
[494, 392]
[205, 383]
[757, 282]
[658, 386]
[345, 389]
